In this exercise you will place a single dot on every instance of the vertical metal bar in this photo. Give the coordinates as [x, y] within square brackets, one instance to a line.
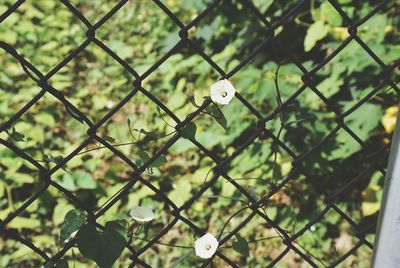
[387, 242]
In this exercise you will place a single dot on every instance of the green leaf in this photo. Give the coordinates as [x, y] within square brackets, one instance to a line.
[150, 134]
[89, 243]
[84, 180]
[181, 259]
[189, 131]
[330, 14]
[72, 221]
[241, 246]
[109, 139]
[159, 161]
[181, 192]
[218, 115]
[54, 159]
[103, 248]
[143, 156]
[370, 208]
[16, 136]
[331, 85]
[22, 222]
[62, 263]
[316, 32]
[45, 119]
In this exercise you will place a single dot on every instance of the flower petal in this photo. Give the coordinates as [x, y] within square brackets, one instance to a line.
[206, 246]
[142, 213]
[222, 92]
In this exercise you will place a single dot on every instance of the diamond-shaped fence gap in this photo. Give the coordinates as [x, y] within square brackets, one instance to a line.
[344, 183]
[301, 124]
[54, 135]
[339, 238]
[138, 45]
[20, 255]
[228, 50]
[215, 198]
[184, 70]
[94, 175]
[372, 33]
[49, 38]
[263, 94]
[17, 90]
[180, 236]
[93, 11]
[291, 208]
[130, 131]
[321, 162]
[188, 177]
[370, 100]
[212, 135]
[15, 179]
[337, 78]
[259, 168]
[361, 207]
[32, 230]
[93, 70]
[257, 233]
[141, 194]
[189, 10]
[362, 131]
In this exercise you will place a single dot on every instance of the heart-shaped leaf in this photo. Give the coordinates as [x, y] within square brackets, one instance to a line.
[218, 115]
[241, 246]
[189, 131]
[72, 221]
[102, 247]
[159, 161]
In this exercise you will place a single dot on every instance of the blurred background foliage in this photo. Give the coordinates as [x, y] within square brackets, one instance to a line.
[45, 32]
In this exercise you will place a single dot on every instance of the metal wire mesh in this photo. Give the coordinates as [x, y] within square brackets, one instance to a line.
[260, 129]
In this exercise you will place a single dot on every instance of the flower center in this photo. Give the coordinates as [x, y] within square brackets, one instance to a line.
[224, 94]
[208, 247]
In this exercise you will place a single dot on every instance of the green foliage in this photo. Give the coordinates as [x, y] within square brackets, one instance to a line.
[316, 32]
[72, 222]
[62, 263]
[45, 32]
[219, 116]
[189, 131]
[105, 247]
[241, 246]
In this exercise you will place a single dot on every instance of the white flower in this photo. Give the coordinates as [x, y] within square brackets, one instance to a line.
[206, 246]
[142, 213]
[222, 92]
[71, 236]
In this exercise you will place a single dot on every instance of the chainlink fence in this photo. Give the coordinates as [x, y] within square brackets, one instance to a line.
[257, 205]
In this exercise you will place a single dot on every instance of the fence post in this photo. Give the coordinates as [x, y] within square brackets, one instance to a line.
[387, 242]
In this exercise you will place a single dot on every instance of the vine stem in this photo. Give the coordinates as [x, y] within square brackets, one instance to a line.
[230, 218]
[123, 144]
[255, 240]
[163, 244]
